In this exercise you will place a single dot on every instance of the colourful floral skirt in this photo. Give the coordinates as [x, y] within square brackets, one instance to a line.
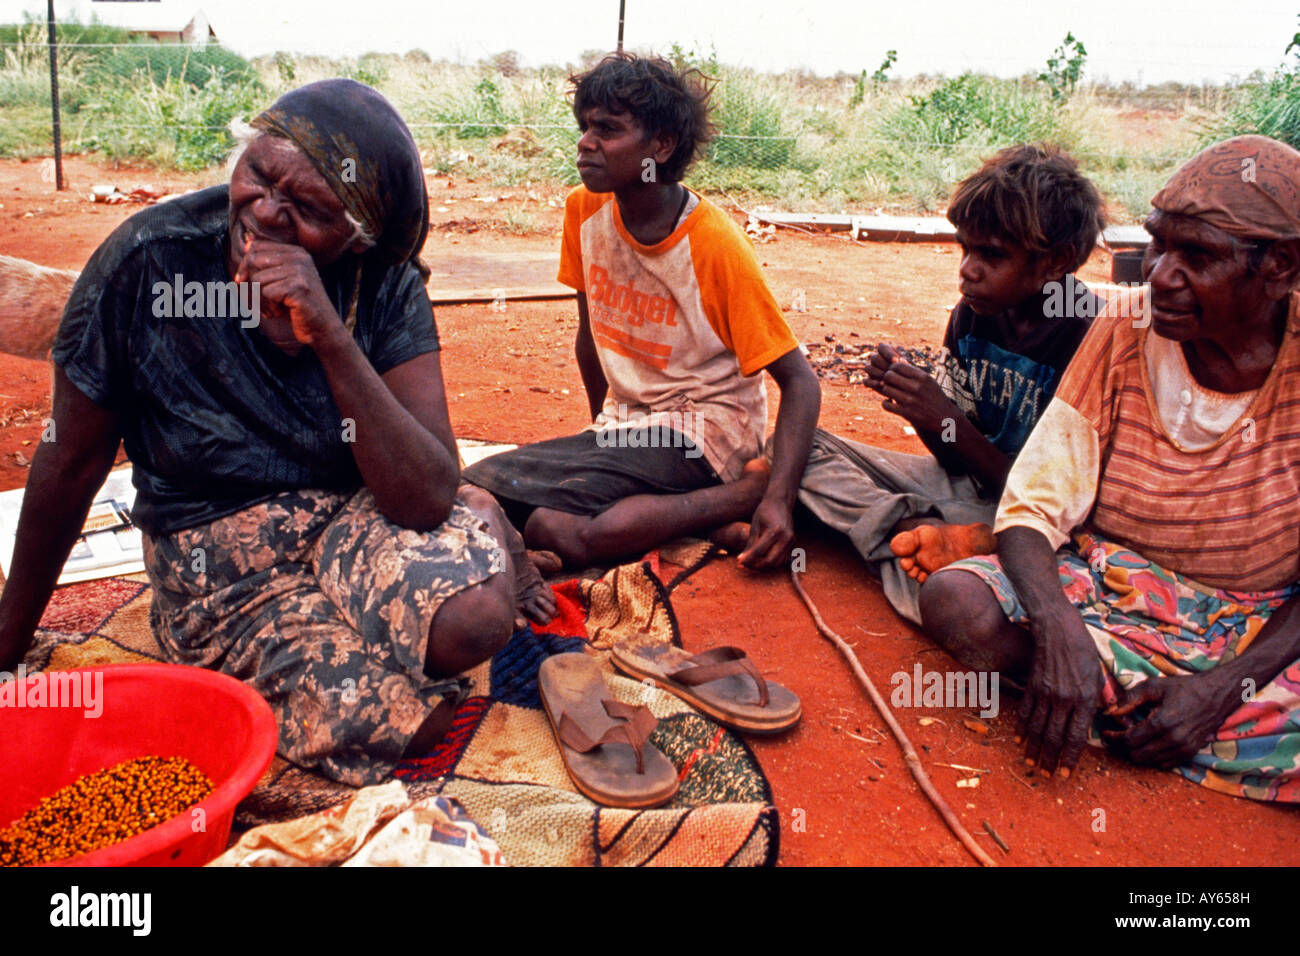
[324, 606]
[1150, 622]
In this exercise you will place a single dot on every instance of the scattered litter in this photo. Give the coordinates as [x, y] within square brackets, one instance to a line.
[978, 726]
[927, 721]
[969, 782]
[756, 230]
[958, 766]
[113, 195]
[848, 361]
[909, 430]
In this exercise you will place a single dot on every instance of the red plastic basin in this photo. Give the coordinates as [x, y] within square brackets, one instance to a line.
[221, 726]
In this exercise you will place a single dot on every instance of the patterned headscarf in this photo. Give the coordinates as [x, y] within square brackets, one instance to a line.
[1248, 186]
[356, 140]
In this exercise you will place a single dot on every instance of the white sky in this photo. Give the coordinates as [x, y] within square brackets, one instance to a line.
[1147, 41]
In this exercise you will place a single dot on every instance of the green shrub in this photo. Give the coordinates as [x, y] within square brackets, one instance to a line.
[973, 109]
[751, 127]
[171, 123]
[195, 66]
[1269, 107]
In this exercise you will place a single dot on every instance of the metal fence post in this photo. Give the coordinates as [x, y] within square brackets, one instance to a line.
[54, 98]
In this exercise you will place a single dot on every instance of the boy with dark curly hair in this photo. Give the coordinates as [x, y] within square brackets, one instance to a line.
[676, 323]
[1026, 220]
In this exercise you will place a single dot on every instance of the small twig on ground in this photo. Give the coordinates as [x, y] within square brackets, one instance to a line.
[988, 828]
[1026, 783]
[875, 633]
[863, 739]
[960, 766]
[909, 752]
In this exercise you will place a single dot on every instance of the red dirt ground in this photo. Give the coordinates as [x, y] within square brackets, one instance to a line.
[843, 790]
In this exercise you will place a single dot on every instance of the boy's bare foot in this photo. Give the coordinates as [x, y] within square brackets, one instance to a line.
[752, 483]
[926, 549]
[731, 538]
[749, 488]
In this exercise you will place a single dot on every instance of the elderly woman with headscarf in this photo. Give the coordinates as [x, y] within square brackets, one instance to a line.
[268, 354]
[1152, 522]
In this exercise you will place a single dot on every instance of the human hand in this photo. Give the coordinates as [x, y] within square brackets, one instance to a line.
[1062, 693]
[879, 363]
[294, 310]
[913, 394]
[771, 532]
[1182, 716]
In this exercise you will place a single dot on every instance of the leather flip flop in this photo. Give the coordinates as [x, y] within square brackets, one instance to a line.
[603, 741]
[722, 682]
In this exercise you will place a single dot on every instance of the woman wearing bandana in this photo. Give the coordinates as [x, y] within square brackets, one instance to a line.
[1147, 576]
[268, 355]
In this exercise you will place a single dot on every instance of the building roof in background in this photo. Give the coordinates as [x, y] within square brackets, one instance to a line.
[148, 16]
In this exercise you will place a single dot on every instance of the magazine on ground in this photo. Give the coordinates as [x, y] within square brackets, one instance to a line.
[110, 544]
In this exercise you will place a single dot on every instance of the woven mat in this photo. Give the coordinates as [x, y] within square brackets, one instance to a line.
[500, 759]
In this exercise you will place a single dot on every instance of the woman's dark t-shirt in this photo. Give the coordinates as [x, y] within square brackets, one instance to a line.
[213, 415]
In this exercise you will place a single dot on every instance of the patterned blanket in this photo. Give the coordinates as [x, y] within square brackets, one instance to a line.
[500, 760]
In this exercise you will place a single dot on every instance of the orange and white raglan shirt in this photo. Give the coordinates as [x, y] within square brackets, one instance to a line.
[682, 328]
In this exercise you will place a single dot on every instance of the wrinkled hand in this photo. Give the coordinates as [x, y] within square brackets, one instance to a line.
[1184, 715]
[909, 391]
[771, 532]
[1062, 693]
[294, 309]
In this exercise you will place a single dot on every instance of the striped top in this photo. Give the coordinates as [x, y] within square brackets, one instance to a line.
[1226, 515]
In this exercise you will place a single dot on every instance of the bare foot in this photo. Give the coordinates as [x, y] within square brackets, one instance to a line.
[930, 547]
[753, 480]
[750, 488]
[731, 538]
[546, 562]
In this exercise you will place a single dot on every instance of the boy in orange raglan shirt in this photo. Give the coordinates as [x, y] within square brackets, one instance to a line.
[675, 324]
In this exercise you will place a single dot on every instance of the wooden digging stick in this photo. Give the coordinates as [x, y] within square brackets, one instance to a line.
[909, 752]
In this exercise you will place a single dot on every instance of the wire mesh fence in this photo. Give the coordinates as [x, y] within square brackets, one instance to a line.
[825, 143]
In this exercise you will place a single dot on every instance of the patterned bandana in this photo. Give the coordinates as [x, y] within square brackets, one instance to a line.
[356, 140]
[1248, 186]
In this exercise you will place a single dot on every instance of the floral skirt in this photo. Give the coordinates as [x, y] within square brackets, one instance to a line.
[323, 606]
[1147, 621]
